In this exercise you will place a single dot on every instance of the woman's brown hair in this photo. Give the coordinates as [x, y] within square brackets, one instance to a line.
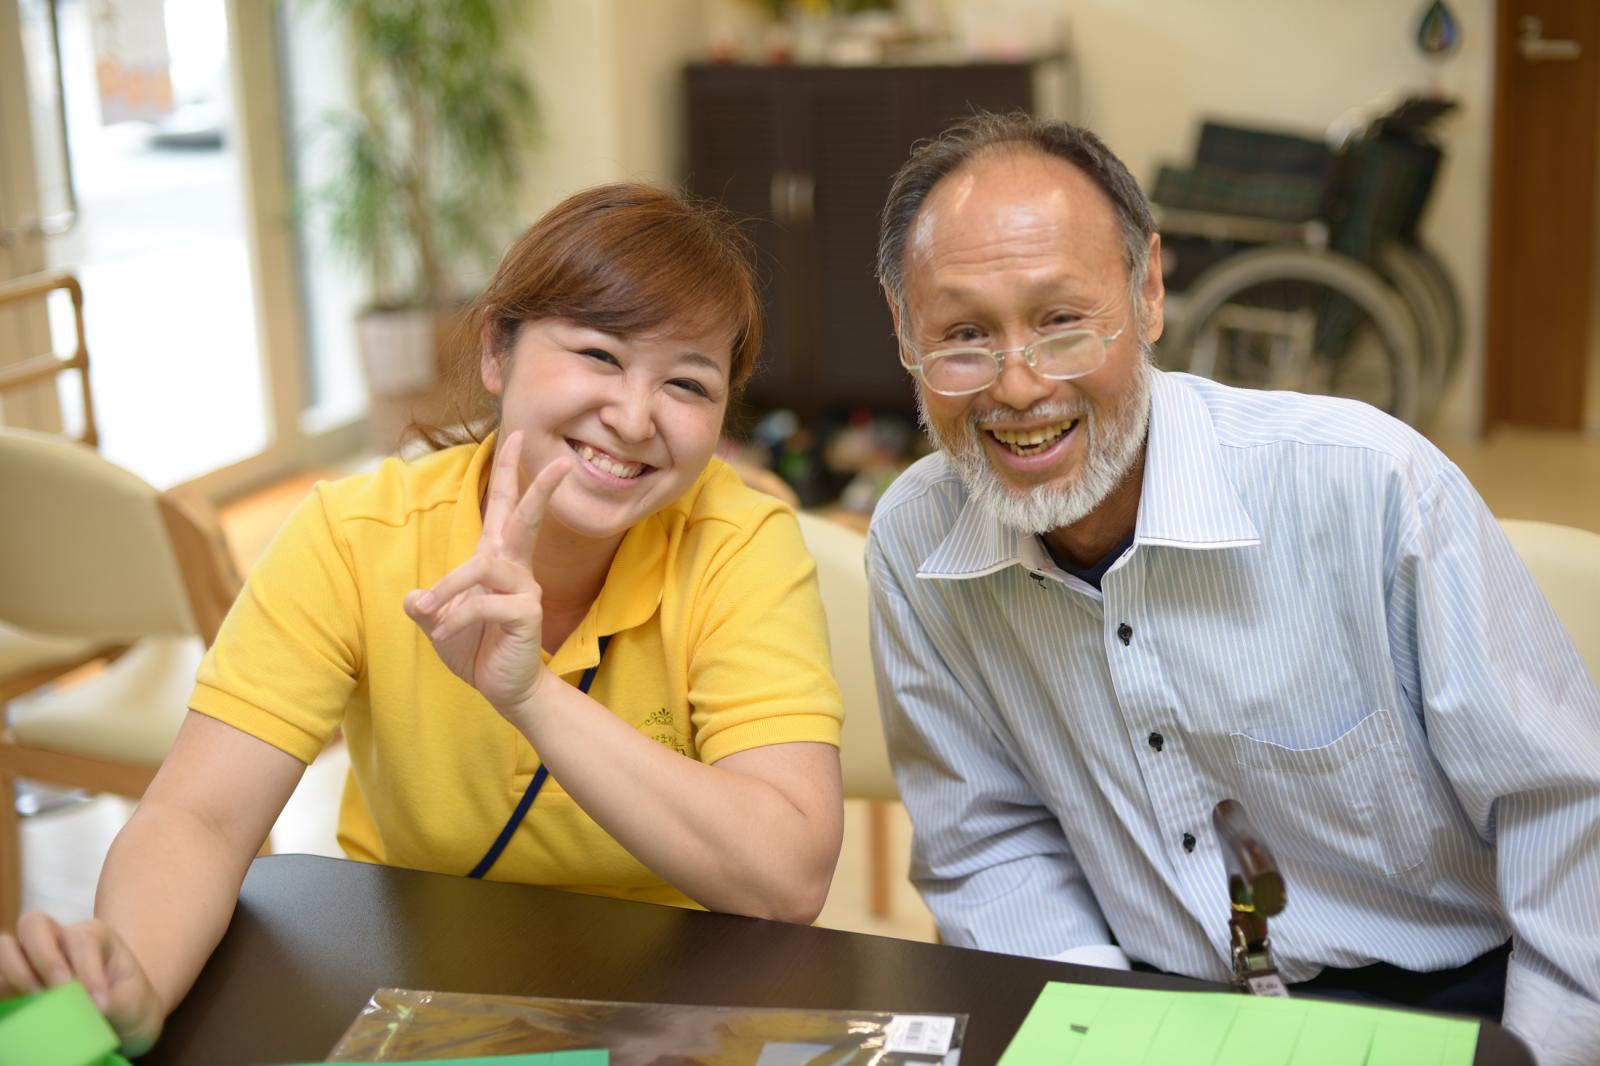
[626, 259]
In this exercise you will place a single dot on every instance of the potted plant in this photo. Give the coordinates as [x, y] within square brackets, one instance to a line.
[426, 168]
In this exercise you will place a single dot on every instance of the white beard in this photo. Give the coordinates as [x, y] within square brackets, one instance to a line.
[1113, 447]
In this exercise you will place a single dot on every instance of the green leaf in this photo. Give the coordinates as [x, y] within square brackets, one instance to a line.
[427, 171]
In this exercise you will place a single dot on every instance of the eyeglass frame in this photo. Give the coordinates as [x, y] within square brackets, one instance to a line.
[1027, 351]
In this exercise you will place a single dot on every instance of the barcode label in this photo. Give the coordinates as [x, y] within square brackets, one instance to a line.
[1267, 984]
[919, 1034]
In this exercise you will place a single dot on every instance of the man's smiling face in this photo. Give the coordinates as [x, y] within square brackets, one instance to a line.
[1012, 247]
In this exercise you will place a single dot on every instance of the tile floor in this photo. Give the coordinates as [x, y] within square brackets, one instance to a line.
[1521, 473]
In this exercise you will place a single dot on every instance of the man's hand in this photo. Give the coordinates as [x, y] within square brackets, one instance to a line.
[45, 953]
[485, 617]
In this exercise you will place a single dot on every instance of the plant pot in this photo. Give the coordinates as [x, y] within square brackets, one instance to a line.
[398, 350]
[411, 358]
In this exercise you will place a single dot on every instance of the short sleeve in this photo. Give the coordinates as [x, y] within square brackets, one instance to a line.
[289, 653]
[760, 671]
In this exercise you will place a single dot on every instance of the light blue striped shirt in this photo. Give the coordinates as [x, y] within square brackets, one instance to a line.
[1325, 623]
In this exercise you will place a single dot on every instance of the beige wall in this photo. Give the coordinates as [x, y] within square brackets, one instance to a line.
[654, 39]
[608, 75]
[570, 61]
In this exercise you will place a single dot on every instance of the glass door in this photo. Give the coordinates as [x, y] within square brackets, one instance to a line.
[164, 189]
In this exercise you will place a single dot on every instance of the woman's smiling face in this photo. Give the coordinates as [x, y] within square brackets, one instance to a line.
[640, 415]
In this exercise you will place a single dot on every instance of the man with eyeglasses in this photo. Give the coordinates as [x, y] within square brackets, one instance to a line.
[1116, 596]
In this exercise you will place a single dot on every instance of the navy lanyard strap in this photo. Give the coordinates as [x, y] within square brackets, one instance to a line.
[510, 828]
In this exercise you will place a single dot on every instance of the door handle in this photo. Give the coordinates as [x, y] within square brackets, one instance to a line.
[802, 203]
[1536, 49]
[792, 196]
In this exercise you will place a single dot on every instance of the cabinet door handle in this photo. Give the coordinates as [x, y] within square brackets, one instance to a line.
[802, 203]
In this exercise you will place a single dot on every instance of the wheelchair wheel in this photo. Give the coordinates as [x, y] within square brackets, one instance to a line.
[1445, 296]
[1287, 317]
[1427, 291]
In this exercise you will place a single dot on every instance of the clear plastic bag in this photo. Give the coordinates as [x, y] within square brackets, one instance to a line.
[400, 1024]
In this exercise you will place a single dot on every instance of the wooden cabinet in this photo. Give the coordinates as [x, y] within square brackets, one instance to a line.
[806, 154]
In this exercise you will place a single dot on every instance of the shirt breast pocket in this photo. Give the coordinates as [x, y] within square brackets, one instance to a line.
[1355, 803]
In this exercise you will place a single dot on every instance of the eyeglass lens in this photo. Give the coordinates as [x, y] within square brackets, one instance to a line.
[1067, 356]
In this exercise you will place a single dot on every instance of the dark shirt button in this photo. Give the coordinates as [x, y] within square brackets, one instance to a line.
[1188, 842]
[1038, 579]
[1157, 740]
[1125, 632]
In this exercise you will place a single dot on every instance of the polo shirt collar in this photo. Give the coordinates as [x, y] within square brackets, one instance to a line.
[1185, 501]
[630, 596]
[466, 525]
[632, 591]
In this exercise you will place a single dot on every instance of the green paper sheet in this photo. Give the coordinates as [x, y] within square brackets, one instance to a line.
[1093, 1025]
[58, 1027]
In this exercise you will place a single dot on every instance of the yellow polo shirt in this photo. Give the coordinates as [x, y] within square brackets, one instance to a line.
[718, 646]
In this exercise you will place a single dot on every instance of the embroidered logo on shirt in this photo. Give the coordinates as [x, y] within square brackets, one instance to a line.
[663, 717]
[672, 742]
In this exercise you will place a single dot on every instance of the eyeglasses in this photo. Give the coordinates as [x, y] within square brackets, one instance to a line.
[1059, 357]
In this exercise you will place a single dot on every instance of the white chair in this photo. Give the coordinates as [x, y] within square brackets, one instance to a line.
[28, 660]
[863, 756]
[91, 553]
[1565, 564]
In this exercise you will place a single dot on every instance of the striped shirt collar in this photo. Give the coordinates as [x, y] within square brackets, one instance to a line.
[1186, 500]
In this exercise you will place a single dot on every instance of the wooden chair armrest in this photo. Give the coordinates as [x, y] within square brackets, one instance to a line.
[210, 575]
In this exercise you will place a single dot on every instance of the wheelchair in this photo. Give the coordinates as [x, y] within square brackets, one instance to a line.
[1290, 264]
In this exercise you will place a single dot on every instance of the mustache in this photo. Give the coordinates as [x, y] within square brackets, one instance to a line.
[1039, 412]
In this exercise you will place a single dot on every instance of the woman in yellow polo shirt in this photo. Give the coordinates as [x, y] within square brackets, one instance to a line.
[578, 652]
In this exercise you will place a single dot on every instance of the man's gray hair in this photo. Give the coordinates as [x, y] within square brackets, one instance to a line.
[984, 132]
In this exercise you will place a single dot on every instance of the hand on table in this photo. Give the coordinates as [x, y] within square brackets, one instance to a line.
[45, 953]
[485, 617]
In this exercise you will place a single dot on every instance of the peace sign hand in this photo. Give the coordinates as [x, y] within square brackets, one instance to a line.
[485, 617]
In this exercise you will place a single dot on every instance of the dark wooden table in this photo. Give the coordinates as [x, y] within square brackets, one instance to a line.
[314, 937]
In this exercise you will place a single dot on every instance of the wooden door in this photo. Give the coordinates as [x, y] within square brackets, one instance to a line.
[1542, 223]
